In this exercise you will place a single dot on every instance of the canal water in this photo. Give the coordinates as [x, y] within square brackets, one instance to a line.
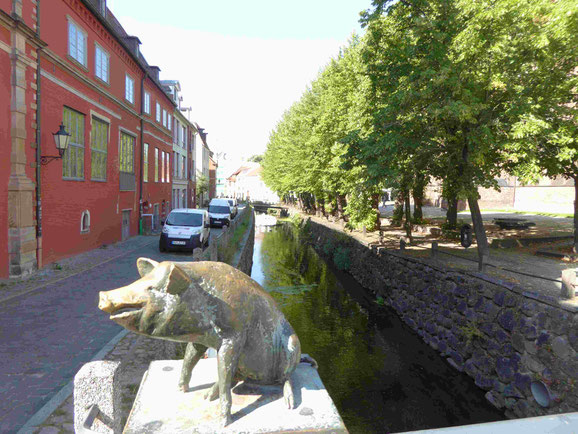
[380, 374]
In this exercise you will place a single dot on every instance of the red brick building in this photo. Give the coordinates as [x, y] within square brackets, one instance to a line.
[72, 63]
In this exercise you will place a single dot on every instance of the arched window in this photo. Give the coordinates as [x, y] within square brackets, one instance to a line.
[85, 222]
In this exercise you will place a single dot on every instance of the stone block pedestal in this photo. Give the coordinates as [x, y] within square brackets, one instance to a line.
[161, 408]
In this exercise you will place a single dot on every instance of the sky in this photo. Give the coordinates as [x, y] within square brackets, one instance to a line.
[241, 64]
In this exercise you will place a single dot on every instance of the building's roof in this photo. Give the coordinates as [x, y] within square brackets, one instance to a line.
[256, 171]
[246, 169]
[128, 42]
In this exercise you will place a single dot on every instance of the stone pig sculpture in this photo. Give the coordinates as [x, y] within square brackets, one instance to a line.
[210, 304]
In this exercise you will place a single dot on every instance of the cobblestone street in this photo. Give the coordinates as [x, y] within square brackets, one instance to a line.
[49, 331]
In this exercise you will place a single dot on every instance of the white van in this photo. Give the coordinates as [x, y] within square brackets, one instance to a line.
[233, 205]
[185, 229]
[220, 212]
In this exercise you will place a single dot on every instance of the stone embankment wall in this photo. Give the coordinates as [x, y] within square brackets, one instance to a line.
[243, 259]
[225, 248]
[518, 348]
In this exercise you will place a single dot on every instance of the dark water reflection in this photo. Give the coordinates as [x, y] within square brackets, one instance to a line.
[381, 376]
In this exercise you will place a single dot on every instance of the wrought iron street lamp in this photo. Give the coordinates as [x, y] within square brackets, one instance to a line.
[61, 138]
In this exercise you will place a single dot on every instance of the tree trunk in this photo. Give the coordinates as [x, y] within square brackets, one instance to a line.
[407, 224]
[417, 205]
[418, 194]
[375, 206]
[321, 207]
[313, 202]
[341, 204]
[397, 216]
[480, 231]
[452, 213]
[575, 214]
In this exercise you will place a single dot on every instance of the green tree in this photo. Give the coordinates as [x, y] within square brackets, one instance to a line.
[257, 158]
[202, 187]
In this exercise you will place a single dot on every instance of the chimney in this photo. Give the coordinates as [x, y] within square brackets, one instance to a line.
[154, 72]
[133, 43]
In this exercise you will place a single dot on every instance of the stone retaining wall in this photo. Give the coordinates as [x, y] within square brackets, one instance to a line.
[518, 348]
[243, 259]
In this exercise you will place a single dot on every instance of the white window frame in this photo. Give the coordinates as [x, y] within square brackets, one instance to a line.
[169, 121]
[85, 229]
[158, 113]
[74, 32]
[147, 103]
[129, 88]
[164, 118]
[103, 55]
[145, 163]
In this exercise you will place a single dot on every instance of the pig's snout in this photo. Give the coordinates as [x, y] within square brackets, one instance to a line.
[104, 302]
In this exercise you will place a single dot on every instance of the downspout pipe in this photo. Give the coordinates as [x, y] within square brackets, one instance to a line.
[38, 148]
[140, 201]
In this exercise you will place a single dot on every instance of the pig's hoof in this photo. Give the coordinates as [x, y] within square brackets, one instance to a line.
[184, 388]
[225, 420]
[288, 395]
[213, 392]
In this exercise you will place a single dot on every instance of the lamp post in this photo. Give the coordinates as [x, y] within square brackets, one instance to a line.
[61, 138]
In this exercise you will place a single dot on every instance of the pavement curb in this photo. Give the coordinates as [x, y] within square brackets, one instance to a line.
[47, 409]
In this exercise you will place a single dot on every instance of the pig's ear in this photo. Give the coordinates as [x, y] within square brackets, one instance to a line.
[145, 266]
[177, 281]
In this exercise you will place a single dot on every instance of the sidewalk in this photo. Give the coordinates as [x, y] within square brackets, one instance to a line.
[538, 276]
[11, 288]
[136, 351]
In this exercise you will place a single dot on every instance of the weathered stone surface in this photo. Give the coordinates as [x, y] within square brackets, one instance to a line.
[561, 347]
[522, 382]
[507, 319]
[543, 339]
[499, 298]
[511, 300]
[570, 367]
[573, 337]
[532, 364]
[541, 320]
[528, 308]
[530, 347]
[504, 370]
[483, 382]
[98, 383]
[496, 399]
[511, 392]
[161, 408]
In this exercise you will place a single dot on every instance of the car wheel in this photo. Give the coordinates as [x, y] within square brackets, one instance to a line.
[162, 247]
[207, 240]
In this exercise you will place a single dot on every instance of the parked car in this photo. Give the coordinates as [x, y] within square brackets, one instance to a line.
[233, 205]
[220, 212]
[185, 229]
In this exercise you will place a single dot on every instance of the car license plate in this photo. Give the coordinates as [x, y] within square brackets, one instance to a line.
[180, 243]
[217, 220]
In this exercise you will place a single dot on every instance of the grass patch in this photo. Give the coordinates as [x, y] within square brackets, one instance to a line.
[227, 253]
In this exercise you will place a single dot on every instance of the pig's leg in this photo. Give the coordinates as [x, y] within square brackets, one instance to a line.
[288, 394]
[213, 393]
[193, 354]
[228, 358]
